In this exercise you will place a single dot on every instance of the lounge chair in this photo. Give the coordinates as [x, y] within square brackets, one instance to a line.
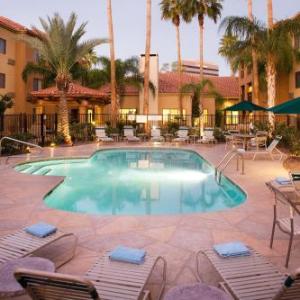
[270, 150]
[208, 136]
[252, 277]
[107, 279]
[101, 135]
[290, 224]
[259, 141]
[20, 244]
[129, 134]
[182, 135]
[156, 135]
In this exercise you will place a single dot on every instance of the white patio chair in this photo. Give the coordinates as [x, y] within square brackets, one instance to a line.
[129, 134]
[101, 135]
[182, 135]
[156, 135]
[271, 149]
[208, 136]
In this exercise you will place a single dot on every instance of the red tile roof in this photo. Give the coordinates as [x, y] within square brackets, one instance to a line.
[16, 27]
[75, 91]
[228, 87]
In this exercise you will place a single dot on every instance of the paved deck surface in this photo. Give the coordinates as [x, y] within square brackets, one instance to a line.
[177, 238]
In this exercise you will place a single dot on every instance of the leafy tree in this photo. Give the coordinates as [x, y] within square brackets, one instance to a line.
[6, 101]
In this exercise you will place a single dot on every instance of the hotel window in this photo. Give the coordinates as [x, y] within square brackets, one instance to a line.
[171, 114]
[243, 92]
[2, 46]
[37, 84]
[297, 80]
[36, 56]
[297, 42]
[127, 114]
[232, 117]
[2, 81]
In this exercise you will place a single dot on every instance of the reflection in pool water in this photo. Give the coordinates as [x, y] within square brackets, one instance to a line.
[137, 182]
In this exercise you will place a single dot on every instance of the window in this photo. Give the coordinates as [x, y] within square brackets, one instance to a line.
[297, 80]
[243, 92]
[249, 92]
[171, 114]
[2, 81]
[127, 114]
[2, 46]
[90, 115]
[37, 84]
[232, 117]
[36, 56]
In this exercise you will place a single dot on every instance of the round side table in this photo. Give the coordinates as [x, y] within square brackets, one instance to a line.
[9, 287]
[197, 291]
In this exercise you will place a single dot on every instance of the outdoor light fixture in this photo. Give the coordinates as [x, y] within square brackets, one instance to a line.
[52, 145]
[27, 149]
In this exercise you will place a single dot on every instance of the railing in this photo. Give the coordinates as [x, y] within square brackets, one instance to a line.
[19, 142]
[229, 156]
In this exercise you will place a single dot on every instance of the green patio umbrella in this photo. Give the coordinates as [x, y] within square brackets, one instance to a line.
[288, 107]
[245, 106]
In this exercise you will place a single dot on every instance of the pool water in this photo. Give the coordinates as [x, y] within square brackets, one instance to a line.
[137, 182]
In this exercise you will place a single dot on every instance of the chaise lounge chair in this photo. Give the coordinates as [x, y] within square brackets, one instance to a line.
[253, 277]
[156, 135]
[208, 136]
[101, 135]
[129, 134]
[182, 135]
[271, 149]
[20, 244]
[109, 280]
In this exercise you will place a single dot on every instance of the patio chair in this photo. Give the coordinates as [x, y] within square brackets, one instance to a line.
[101, 135]
[107, 279]
[252, 277]
[182, 135]
[259, 141]
[208, 136]
[270, 150]
[156, 135]
[129, 134]
[20, 244]
[289, 225]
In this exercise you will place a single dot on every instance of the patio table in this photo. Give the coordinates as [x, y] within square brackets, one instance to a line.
[168, 137]
[115, 136]
[193, 138]
[9, 287]
[143, 136]
[245, 137]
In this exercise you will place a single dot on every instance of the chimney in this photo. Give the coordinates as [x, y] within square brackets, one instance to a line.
[154, 73]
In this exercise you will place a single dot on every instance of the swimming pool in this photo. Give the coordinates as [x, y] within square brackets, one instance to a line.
[137, 182]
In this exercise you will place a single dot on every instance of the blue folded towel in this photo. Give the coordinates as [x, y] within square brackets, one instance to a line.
[41, 229]
[283, 180]
[232, 249]
[130, 255]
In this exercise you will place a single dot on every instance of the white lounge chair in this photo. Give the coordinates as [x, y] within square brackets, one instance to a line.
[156, 135]
[182, 135]
[129, 134]
[107, 279]
[101, 135]
[259, 141]
[208, 136]
[271, 149]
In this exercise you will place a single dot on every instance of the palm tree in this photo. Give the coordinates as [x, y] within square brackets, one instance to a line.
[202, 8]
[114, 100]
[60, 47]
[273, 45]
[127, 74]
[255, 74]
[270, 13]
[172, 10]
[147, 57]
[197, 90]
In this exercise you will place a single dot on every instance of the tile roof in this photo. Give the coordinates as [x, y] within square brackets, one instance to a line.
[16, 27]
[75, 91]
[228, 87]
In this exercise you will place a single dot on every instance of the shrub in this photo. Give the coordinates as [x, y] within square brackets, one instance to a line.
[12, 148]
[262, 126]
[82, 131]
[219, 135]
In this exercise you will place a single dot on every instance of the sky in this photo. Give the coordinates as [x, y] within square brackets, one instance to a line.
[129, 24]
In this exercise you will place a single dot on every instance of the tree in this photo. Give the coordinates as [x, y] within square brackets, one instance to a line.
[172, 10]
[61, 48]
[197, 90]
[202, 8]
[273, 46]
[127, 73]
[147, 57]
[6, 101]
[255, 75]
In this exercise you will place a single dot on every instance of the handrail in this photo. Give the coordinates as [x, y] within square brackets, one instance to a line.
[234, 153]
[20, 142]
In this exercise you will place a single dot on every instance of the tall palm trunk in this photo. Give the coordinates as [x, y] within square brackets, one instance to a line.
[271, 68]
[179, 65]
[147, 57]
[63, 120]
[201, 65]
[114, 100]
[254, 62]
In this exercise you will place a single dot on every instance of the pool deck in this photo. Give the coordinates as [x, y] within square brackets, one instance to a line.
[177, 238]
